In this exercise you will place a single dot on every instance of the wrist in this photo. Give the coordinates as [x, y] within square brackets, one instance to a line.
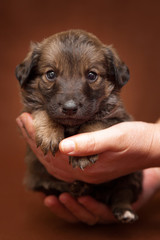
[154, 151]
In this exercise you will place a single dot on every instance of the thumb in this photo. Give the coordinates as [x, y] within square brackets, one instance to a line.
[93, 142]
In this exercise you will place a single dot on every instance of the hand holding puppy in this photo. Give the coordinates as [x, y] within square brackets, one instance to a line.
[118, 153]
[114, 145]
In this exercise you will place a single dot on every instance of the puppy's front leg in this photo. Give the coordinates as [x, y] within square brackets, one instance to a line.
[48, 133]
[84, 161]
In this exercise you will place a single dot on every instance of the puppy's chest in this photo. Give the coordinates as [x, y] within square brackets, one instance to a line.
[70, 131]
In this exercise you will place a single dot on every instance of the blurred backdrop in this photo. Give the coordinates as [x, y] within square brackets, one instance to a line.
[132, 27]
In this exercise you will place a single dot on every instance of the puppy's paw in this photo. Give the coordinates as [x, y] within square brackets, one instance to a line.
[82, 162]
[125, 215]
[48, 133]
[78, 188]
[48, 143]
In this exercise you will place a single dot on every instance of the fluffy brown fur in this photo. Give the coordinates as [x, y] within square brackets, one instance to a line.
[70, 83]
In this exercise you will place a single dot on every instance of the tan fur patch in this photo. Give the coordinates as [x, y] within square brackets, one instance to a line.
[91, 127]
[48, 133]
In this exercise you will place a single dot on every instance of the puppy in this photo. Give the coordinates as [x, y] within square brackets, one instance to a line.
[70, 83]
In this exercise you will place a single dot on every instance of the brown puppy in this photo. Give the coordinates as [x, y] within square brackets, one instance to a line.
[70, 84]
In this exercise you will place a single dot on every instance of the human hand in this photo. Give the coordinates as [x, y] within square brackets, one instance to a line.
[88, 210]
[122, 149]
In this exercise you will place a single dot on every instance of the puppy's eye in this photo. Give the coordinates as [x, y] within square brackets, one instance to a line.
[50, 75]
[92, 76]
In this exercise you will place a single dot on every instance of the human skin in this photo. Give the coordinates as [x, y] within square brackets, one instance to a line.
[122, 149]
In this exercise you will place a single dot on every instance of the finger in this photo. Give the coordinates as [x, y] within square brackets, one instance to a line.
[93, 142]
[59, 209]
[98, 209]
[25, 122]
[77, 209]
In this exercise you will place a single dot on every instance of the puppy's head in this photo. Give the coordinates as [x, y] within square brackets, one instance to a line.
[69, 75]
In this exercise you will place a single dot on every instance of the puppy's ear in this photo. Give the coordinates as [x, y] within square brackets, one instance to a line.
[118, 72]
[25, 70]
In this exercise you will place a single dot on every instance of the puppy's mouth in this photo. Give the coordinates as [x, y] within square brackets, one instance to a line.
[71, 114]
[70, 121]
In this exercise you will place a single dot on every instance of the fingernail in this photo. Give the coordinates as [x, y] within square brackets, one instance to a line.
[82, 200]
[67, 146]
[49, 201]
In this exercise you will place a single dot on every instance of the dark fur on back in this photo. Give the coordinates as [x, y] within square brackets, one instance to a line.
[70, 84]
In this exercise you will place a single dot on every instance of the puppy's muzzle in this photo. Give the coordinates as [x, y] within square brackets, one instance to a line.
[70, 107]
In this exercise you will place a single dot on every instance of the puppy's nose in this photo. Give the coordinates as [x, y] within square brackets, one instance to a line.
[70, 107]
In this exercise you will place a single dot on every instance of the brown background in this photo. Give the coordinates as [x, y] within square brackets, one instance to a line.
[133, 27]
